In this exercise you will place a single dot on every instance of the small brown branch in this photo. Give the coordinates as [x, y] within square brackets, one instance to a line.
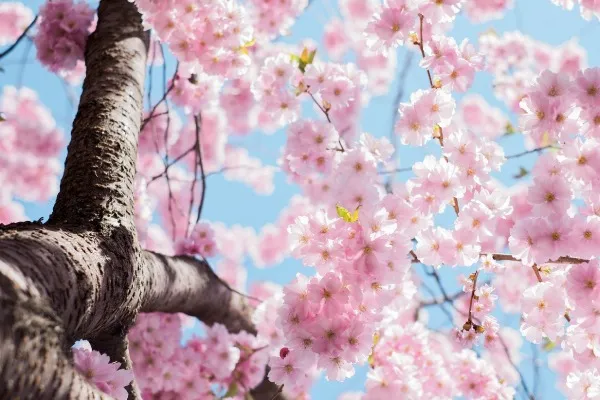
[560, 260]
[421, 46]
[536, 270]
[470, 319]
[162, 99]
[170, 164]
[326, 112]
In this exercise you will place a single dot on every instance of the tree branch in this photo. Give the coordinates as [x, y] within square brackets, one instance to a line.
[96, 190]
[185, 284]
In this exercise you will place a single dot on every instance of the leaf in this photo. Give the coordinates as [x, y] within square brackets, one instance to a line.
[346, 215]
[2, 117]
[509, 129]
[248, 396]
[546, 139]
[305, 58]
[376, 338]
[244, 48]
[232, 391]
[371, 360]
[548, 345]
[522, 173]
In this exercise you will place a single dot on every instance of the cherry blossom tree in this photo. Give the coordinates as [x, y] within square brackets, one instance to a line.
[95, 301]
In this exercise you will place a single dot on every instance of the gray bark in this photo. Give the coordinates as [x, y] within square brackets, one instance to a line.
[83, 274]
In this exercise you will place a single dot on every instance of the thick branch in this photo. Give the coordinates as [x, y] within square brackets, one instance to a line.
[34, 346]
[96, 190]
[187, 285]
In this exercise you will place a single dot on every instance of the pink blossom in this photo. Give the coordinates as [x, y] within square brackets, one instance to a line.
[98, 370]
[15, 17]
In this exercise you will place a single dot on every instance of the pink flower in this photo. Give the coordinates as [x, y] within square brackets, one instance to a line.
[389, 28]
[15, 18]
[550, 196]
[98, 370]
[290, 371]
[583, 282]
[62, 33]
[200, 242]
[335, 39]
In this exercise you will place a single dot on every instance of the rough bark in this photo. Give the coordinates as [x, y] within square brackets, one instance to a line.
[95, 190]
[185, 284]
[83, 275]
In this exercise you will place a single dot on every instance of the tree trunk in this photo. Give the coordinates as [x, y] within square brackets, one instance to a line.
[83, 275]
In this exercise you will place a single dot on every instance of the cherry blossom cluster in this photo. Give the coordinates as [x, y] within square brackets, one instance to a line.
[398, 22]
[195, 92]
[200, 242]
[486, 10]
[15, 17]
[556, 107]
[272, 244]
[62, 34]
[202, 368]
[588, 8]
[420, 364]
[358, 265]
[99, 371]
[213, 36]
[30, 144]
[274, 18]
[164, 138]
[347, 34]
[515, 60]
[335, 88]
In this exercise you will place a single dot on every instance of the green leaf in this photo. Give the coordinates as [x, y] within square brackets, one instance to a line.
[232, 391]
[371, 360]
[548, 345]
[509, 129]
[305, 58]
[522, 173]
[346, 215]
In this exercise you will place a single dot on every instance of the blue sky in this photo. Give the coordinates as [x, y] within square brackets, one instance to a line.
[234, 203]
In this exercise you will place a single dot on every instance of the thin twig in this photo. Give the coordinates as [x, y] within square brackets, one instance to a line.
[470, 320]
[171, 163]
[536, 270]
[162, 99]
[326, 112]
[394, 171]
[399, 95]
[421, 46]
[511, 362]
[440, 137]
[198, 121]
[536, 368]
[21, 37]
[536, 150]
[559, 260]
[279, 391]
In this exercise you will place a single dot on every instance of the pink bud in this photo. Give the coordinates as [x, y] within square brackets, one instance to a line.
[284, 352]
